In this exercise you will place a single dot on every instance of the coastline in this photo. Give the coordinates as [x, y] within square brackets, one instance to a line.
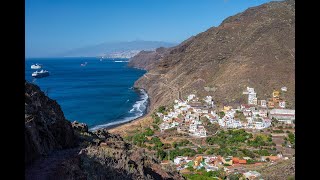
[117, 126]
[133, 121]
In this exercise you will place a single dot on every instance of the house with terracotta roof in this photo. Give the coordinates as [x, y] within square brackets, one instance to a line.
[235, 160]
[242, 161]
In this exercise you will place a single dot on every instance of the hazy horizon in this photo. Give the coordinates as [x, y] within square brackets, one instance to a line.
[53, 27]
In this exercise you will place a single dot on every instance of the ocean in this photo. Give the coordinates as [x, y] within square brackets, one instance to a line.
[99, 94]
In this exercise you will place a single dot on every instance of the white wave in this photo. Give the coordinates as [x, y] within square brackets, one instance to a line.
[121, 61]
[140, 106]
[137, 111]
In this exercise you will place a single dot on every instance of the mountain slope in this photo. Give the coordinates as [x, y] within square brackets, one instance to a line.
[254, 48]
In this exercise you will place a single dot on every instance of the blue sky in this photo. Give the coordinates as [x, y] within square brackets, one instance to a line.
[54, 26]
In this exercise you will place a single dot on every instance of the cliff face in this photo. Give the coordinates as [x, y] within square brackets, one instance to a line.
[46, 128]
[70, 151]
[254, 48]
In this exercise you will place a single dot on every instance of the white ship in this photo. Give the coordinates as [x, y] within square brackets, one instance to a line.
[35, 66]
[84, 64]
[40, 74]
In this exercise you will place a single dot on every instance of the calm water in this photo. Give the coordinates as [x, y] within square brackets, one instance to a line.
[99, 94]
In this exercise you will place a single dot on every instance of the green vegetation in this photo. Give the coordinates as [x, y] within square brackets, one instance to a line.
[240, 115]
[202, 174]
[162, 109]
[181, 152]
[278, 131]
[235, 143]
[184, 142]
[155, 127]
[262, 152]
[230, 137]
[221, 114]
[235, 176]
[139, 139]
[148, 132]
[201, 150]
[291, 137]
[261, 140]
[156, 119]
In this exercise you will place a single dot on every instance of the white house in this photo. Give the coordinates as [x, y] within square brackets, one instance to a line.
[263, 103]
[208, 100]
[193, 127]
[179, 160]
[282, 104]
[190, 97]
[251, 97]
[201, 132]
[263, 112]
[284, 115]
[164, 126]
[284, 89]
[250, 90]
[247, 113]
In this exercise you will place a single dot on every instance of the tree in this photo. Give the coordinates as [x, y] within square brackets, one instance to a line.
[161, 109]
[221, 114]
[161, 154]
[148, 132]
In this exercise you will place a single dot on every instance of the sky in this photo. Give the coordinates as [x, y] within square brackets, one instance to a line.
[55, 26]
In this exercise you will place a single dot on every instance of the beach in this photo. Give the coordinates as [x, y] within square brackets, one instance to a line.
[126, 128]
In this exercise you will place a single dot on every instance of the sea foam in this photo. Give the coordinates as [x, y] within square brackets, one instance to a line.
[138, 109]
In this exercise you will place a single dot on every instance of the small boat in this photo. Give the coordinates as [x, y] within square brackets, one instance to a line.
[40, 74]
[84, 64]
[35, 66]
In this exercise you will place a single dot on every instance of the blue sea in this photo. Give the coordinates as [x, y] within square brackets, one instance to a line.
[99, 94]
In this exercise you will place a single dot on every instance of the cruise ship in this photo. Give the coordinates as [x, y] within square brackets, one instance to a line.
[35, 66]
[40, 74]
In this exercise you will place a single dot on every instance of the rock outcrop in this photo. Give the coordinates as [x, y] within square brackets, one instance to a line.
[113, 158]
[70, 151]
[254, 48]
[46, 128]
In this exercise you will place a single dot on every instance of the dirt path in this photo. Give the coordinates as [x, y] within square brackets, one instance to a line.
[45, 168]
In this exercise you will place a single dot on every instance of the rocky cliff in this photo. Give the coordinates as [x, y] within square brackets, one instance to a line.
[254, 48]
[46, 128]
[58, 149]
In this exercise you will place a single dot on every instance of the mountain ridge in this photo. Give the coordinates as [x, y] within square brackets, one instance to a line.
[104, 49]
[253, 48]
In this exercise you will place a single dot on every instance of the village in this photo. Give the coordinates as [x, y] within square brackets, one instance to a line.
[197, 137]
[187, 117]
[256, 114]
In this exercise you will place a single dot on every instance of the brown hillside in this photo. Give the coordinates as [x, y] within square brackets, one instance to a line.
[254, 48]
